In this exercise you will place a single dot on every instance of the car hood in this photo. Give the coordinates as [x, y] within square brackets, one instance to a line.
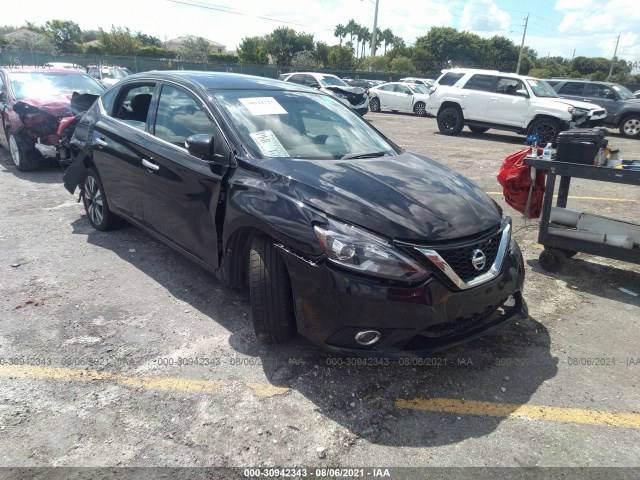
[57, 105]
[340, 88]
[574, 103]
[407, 197]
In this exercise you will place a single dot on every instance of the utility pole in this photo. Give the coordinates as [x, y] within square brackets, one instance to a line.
[613, 59]
[574, 54]
[373, 35]
[524, 34]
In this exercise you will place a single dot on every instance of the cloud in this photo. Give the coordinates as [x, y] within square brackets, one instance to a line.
[485, 17]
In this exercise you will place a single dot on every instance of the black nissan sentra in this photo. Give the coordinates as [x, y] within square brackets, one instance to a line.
[339, 234]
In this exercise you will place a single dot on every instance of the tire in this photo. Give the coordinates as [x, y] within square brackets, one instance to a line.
[272, 311]
[95, 203]
[374, 104]
[450, 121]
[546, 129]
[478, 130]
[24, 156]
[552, 260]
[420, 109]
[568, 253]
[630, 126]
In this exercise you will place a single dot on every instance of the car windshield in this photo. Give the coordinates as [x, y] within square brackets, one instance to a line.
[116, 73]
[541, 88]
[416, 88]
[299, 125]
[330, 80]
[45, 84]
[624, 92]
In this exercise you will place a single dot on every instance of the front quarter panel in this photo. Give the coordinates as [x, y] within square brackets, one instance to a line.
[252, 203]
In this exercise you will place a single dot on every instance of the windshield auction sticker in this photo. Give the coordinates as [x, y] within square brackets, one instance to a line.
[269, 144]
[263, 106]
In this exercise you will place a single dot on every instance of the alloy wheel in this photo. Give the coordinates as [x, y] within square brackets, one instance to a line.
[632, 127]
[93, 200]
[15, 150]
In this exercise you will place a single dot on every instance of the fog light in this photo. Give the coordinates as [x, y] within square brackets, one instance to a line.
[367, 337]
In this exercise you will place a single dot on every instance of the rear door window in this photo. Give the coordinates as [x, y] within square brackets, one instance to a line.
[132, 106]
[485, 83]
[450, 78]
[571, 88]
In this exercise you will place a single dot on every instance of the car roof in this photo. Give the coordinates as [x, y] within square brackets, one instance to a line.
[42, 70]
[219, 80]
[582, 80]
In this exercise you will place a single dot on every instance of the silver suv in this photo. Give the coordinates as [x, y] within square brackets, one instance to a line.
[484, 99]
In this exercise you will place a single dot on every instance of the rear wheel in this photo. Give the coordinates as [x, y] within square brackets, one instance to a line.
[272, 311]
[475, 129]
[630, 126]
[374, 104]
[24, 156]
[450, 121]
[546, 129]
[420, 109]
[95, 204]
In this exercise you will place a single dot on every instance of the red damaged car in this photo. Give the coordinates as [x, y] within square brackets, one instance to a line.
[37, 106]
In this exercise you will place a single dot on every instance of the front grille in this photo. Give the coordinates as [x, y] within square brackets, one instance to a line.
[459, 259]
[355, 98]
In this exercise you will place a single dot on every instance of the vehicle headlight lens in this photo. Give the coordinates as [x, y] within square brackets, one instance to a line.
[340, 94]
[366, 253]
[580, 112]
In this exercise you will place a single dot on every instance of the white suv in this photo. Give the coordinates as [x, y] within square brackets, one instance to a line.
[484, 99]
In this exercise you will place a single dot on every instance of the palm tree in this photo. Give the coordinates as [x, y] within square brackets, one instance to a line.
[365, 36]
[340, 32]
[387, 37]
[352, 28]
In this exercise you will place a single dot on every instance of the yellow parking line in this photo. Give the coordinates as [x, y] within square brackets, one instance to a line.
[606, 199]
[512, 410]
[159, 383]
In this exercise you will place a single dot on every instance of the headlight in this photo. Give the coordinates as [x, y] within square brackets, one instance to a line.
[340, 95]
[366, 253]
[580, 112]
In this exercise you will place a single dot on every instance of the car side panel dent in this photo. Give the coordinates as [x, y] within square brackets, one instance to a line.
[250, 203]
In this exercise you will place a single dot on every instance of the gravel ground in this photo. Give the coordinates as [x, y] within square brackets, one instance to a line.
[136, 357]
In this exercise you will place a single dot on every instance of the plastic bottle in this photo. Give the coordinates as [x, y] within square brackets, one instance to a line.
[546, 153]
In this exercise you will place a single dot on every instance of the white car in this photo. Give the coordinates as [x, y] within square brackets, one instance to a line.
[484, 99]
[427, 82]
[399, 97]
[353, 97]
[65, 66]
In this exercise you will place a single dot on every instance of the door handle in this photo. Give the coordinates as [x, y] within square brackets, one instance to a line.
[101, 143]
[150, 165]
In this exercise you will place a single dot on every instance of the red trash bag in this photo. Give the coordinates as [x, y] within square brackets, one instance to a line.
[515, 178]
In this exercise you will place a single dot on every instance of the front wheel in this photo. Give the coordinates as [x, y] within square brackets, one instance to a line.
[272, 311]
[420, 109]
[546, 129]
[374, 104]
[630, 127]
[24, 156]
[450, 121]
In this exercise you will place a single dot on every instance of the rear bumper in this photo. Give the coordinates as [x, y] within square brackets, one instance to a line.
[332, 306]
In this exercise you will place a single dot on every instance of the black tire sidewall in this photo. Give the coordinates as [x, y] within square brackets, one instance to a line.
[459, 121]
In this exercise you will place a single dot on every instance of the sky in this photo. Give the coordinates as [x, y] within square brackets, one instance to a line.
[556, 27]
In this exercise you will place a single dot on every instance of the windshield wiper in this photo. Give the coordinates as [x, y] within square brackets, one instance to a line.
[364, 155]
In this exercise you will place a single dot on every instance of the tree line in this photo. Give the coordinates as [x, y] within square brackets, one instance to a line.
[439, 48]
[64, 36]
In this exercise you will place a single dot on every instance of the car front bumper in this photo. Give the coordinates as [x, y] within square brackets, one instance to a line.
[333, 306]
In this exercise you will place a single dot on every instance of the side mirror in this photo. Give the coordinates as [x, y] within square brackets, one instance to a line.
[522, 93]
[610, 96]
[202, 146]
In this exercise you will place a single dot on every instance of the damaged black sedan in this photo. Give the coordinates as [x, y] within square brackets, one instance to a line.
[339, 234]
[38, 107]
